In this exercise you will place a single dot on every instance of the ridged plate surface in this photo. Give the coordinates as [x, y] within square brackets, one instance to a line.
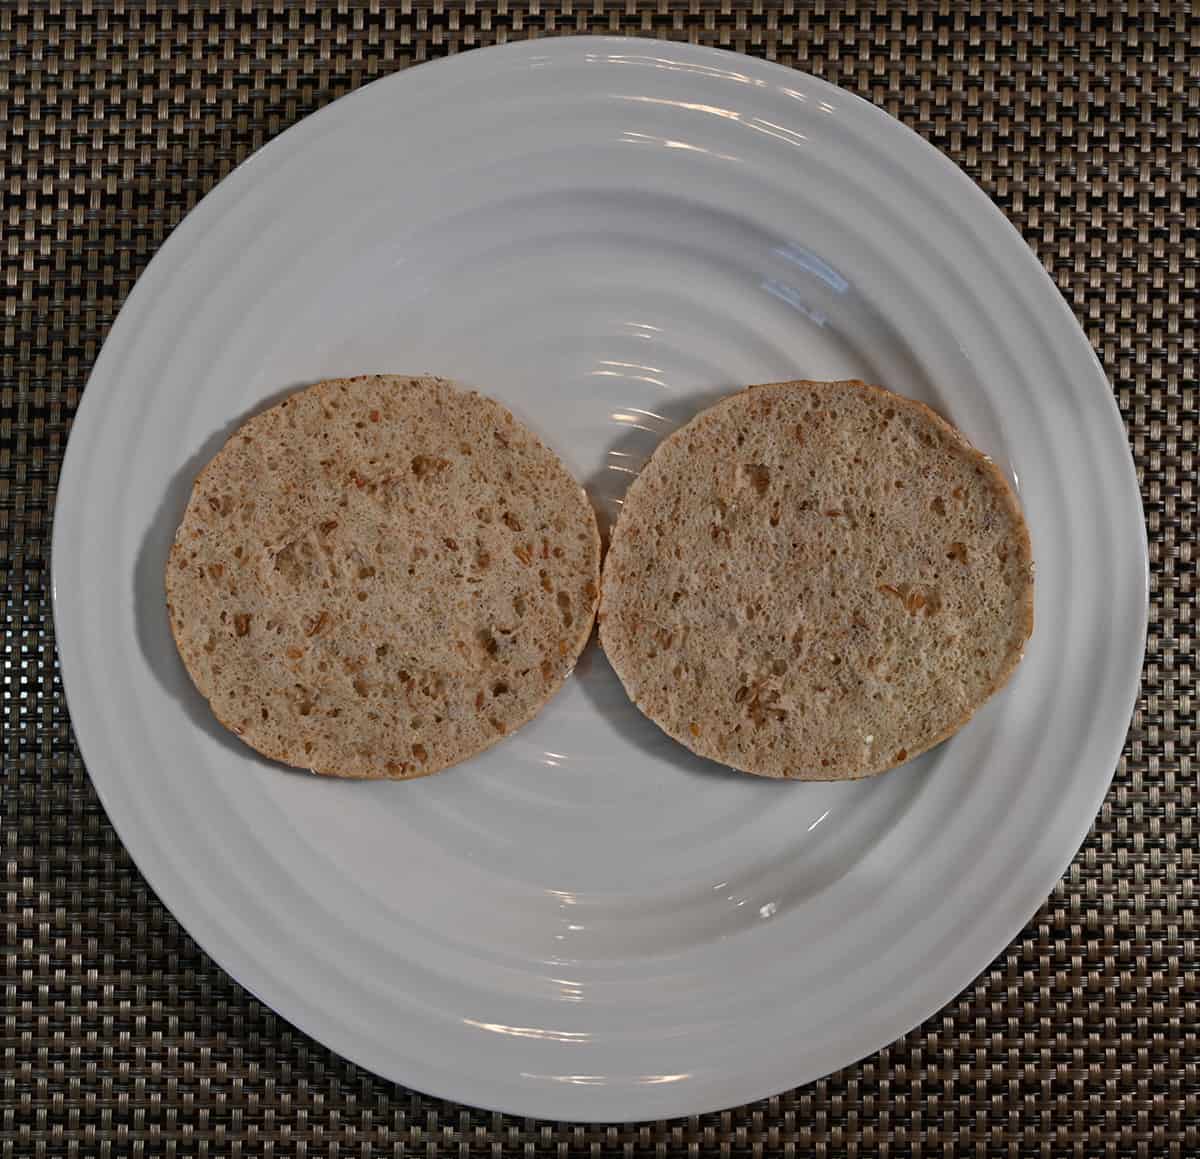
[587, 922]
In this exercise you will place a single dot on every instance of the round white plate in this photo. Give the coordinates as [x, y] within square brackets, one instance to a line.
[587, 922]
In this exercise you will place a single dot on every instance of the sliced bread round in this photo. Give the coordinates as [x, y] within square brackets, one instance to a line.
[816, 580]
[381, 576]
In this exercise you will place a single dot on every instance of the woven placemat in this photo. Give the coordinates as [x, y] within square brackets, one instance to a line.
[121, 1038]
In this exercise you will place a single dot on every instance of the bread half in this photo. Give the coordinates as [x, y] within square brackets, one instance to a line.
[382, 576]
[816, 580]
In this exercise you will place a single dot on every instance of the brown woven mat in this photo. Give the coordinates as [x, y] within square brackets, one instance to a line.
[121, 1038]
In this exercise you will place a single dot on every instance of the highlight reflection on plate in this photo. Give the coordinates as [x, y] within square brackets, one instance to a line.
[587, 922]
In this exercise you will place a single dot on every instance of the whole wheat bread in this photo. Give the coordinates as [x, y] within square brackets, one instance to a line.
[381, 576]
[816, 580]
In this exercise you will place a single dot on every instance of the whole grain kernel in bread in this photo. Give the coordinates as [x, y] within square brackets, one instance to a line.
[816, 580]
[382, 576]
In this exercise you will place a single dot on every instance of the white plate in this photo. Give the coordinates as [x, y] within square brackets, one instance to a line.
[587, 922]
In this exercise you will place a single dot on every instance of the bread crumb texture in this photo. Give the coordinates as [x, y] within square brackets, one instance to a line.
[816, 580]
[381, 576]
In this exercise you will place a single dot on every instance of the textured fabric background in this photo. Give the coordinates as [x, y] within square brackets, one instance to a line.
[120, 1037]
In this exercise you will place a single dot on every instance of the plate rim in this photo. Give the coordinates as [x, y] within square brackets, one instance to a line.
[547, 1102]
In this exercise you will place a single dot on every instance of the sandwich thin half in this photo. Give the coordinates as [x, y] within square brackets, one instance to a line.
[816, 580]
[382, 576]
